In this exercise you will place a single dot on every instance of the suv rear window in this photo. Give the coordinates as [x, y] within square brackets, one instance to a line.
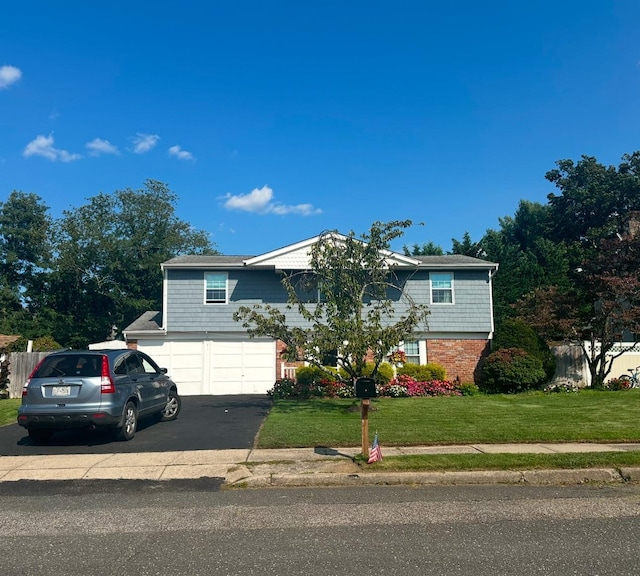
[70, 365]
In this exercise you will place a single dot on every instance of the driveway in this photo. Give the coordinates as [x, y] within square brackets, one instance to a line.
[204, 423]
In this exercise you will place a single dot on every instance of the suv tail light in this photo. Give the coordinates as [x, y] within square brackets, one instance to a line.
[107, 385]
[26, 384]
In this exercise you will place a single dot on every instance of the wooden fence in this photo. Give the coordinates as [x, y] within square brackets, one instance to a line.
[21, 364]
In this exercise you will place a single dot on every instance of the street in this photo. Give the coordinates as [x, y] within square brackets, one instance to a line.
[192, 528]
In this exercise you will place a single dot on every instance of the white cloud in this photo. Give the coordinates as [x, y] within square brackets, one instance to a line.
[260, 201]
[9, 75]
[98, 146]
[180, 153]
[144, 142]
[43, 146]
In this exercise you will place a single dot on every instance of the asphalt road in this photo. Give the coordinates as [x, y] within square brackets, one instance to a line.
[180, 529]
[204, 423]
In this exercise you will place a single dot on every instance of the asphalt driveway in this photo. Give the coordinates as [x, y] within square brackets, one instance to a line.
[204, 423]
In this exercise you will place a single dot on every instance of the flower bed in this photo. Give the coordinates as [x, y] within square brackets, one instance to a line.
[400, 387]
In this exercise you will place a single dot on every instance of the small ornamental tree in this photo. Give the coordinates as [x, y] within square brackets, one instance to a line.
[354, 319]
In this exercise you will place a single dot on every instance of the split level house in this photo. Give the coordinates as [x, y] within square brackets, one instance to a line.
[207, 352]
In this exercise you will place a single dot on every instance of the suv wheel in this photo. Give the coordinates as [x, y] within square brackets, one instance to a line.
[39, 435]
[171, 408]
[128, 429]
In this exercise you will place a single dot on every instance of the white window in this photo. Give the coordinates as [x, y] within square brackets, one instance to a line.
[412, 352]
[215, 291]
[441, 287]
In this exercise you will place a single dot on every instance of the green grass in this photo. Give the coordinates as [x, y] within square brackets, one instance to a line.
[456, 462]
[9, 411]
[588, 416]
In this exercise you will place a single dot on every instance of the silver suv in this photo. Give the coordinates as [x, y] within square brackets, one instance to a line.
[96, 389]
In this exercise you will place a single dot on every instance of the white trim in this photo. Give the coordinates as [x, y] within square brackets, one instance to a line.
[269, 258]
[165, 299]
[226, 288]
[431, 289]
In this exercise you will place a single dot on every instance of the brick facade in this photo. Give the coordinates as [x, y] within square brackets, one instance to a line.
[460, 358]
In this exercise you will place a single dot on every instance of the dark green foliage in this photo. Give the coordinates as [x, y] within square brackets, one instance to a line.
[511, 370]
[42, 344]
[423, 372]
[514, 333]
[429, 249]
[4, 378]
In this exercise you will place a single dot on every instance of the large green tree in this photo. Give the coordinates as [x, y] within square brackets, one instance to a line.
[362, 310]
[594, 199]
[595, 220]
[25, 252]
[108, 254]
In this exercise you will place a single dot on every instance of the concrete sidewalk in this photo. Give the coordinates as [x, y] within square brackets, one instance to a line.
[318, 466]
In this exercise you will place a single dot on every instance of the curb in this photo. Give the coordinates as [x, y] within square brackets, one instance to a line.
[476, 477]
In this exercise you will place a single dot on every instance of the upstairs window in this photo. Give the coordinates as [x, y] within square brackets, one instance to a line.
[215, 288]
[441, 287]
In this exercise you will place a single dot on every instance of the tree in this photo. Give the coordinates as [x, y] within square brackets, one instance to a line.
[594, 200]
[108, 256]
[25, 251]
[528, 259]
[356, 316]
[594, 226]
[429, 249]
[599, 309]
[467, 247]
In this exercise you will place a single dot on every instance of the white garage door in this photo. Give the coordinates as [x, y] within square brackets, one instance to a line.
[215, 367]
[242, 367]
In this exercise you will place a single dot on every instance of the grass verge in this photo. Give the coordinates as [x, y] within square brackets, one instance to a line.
[459, 462]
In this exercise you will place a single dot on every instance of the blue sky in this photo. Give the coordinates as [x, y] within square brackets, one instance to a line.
[275, 120]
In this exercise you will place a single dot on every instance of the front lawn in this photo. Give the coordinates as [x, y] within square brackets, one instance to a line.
[9, 411]
[587, 416]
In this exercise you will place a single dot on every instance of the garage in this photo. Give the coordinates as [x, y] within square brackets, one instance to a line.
[217, 367]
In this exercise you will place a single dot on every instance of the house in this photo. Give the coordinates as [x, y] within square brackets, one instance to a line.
[208, 352]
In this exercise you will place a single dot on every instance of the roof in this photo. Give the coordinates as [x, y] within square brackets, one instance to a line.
[6, 340]
[296, 257]
[150, 321]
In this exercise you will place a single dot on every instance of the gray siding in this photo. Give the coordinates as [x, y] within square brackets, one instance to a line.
[187, 312]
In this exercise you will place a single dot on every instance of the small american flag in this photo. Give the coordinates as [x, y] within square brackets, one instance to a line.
[375, 454]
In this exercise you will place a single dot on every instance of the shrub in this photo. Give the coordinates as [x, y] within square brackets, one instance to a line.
[383, 376]
[617, 384]
[562, 386]
[45, 344]
[514, 333]
[308, 375]
[511, 370]
[423, 372]
[283, 388]
[469, 389]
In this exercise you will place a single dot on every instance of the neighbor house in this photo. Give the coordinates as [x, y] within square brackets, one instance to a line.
[208, 352]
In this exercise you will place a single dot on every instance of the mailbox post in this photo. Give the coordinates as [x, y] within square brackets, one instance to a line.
[365, 389]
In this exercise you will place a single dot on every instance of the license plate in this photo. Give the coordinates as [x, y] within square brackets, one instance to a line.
[61, 391]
